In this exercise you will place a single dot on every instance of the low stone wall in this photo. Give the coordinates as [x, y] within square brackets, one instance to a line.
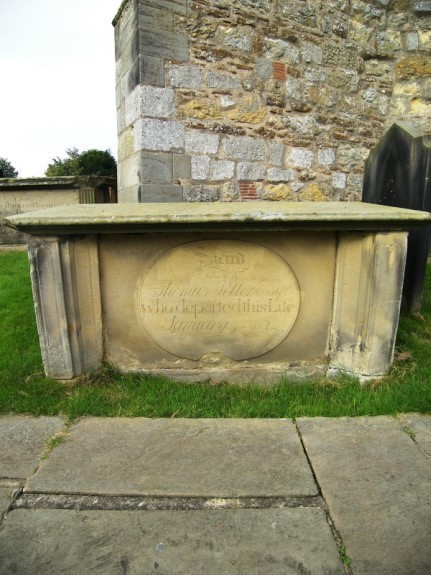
[263, 99]
[21, 195]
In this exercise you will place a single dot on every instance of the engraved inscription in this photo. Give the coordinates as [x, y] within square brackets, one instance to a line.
[226, 297]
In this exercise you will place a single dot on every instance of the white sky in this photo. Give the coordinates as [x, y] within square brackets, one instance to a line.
[57, 80]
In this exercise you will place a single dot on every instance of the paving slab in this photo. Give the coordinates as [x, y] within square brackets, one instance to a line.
[178, 457]
[22, 443]
[377, 484]
[252, 542]
[420, 426]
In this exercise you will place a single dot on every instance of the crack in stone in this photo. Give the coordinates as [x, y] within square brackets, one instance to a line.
[125, 503]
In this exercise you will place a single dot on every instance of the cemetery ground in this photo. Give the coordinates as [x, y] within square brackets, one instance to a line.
[25, 390]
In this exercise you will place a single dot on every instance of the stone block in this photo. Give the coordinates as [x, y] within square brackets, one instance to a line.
[156, 168]
[186, 77]
[244, 148]
[222, 169]
[250, 171]
[281, 51]
[202, 142]
[264, 68]
[129, 171]
[182, 168]
[156, 102]
[173, 6]
[300, 157]
[200, 167]
[158, 135]
[129, 195]
[158, 193]
[151, 70]
[326, 156]
[339, 180]
[280, 175]
[311, 53]
[163, 44]
[219, 81]
[201, 193]
[422, 7]
[275, 153]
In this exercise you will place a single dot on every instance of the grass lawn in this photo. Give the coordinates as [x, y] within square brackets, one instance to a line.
[24, 388]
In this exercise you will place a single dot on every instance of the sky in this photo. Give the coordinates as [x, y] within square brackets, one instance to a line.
[57, 80]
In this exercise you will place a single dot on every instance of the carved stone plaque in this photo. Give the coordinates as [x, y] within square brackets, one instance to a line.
[230, 298]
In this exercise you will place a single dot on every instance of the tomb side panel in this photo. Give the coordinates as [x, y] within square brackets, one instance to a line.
[126, 260]
[367, 297]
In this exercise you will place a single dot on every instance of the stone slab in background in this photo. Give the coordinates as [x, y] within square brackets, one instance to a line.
[228, 542]
[23, 440]
[178, 457]
[376, 483]
[398, 174]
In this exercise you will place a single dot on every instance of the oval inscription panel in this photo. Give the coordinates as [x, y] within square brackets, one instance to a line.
[226, 297]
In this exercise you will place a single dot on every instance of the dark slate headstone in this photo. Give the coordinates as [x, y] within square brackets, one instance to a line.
[398, 173]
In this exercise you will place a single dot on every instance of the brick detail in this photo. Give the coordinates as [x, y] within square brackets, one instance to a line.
[248, 190]
[279, 71]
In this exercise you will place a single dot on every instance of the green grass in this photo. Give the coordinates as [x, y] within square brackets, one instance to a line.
[24, 389]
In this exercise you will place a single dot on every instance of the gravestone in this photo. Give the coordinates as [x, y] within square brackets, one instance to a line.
[227, 291]
[398, 173]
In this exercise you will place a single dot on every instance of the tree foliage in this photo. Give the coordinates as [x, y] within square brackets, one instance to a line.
[88, 163]
[7, 170]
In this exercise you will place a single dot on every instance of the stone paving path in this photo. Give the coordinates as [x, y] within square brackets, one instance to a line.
[317, 496]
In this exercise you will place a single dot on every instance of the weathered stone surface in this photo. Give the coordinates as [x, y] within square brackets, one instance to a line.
[373, 458]
[24, 440]
[420, 428]
[280, 175]
[227, 321]
[201, 457]
[250, 171]
[279, 541]
[6, 496]
[222, 81]
[154, 134]
[163, 44]
[200, 167]
[244, 148]
[202, 142]
[186, 77]
[156, 193]
[182, 166]
[156, 168]
[221, 169]
[365, 322]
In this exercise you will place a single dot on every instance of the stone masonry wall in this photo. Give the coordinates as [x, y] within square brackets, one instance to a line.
[264, 99]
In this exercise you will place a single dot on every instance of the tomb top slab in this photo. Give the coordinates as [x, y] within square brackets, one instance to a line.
[199, 216]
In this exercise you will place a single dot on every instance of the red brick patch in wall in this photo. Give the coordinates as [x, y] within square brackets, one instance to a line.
[279, 71]
[248, 190]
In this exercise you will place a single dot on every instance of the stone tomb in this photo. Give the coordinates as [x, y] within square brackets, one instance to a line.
[235, 291]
